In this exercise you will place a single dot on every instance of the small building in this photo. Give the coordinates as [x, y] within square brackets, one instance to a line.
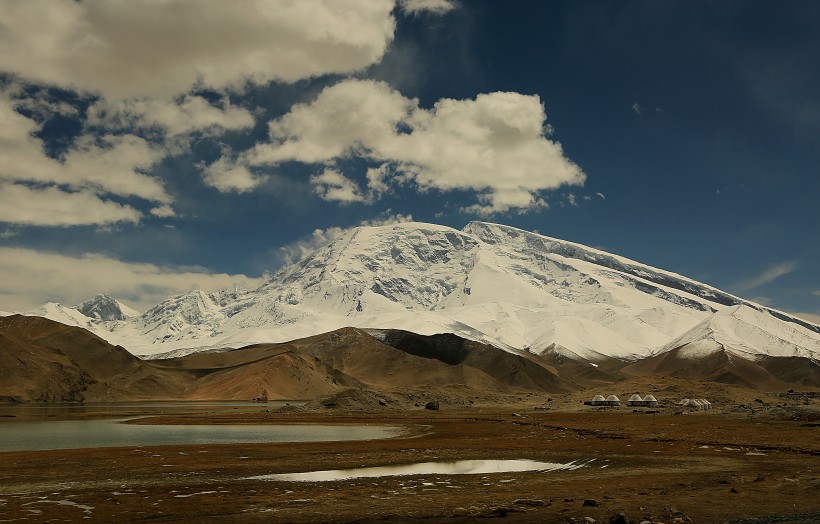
[650, 401]
[598, 400]
[635, 400]
[612, 400]
[696, 404]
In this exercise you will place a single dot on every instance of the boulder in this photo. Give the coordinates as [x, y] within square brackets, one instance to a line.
[619, 518]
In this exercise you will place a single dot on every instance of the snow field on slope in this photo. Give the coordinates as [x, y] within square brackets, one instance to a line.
[509, 290]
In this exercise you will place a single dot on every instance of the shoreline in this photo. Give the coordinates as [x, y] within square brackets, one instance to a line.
[710, 467]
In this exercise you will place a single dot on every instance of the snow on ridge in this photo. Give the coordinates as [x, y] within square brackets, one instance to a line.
[748, 333]
[491, 283]
[650, 273]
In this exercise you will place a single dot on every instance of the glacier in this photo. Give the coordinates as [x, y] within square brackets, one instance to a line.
[520, 291]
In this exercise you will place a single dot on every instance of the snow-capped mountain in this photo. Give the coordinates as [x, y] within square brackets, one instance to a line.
[517, 290]
[103, 307]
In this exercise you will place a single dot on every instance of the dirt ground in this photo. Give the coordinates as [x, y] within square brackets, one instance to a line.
[700, 467]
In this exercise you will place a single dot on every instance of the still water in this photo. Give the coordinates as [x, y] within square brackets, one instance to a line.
[30, 427]
[461, 467]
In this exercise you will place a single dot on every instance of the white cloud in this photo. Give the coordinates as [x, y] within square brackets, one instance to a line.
[297, 250]
[771, 274]
[113, 164]
[51, 206]
[190, 114]
[89, 169]
[638, 108]
[141, 48]
[163, 211]
[495, 145]
[29, 278]
[228, 176]
[376, 177]
[438, 7]
[601, 195]
[333, 186]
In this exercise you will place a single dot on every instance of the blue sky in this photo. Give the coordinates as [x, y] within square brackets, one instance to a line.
[150, 149]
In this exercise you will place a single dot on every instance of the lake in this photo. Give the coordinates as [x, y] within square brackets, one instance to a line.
[34, 428]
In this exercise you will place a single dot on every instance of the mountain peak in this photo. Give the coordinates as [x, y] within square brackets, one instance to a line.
[104, 307]
[518, 290]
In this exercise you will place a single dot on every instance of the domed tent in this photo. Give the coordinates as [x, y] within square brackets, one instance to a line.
[696, 404]
[612, 400]
[598, 400]
[635, 400]
[650, 401]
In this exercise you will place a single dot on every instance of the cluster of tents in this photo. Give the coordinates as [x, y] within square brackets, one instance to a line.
[696, 404]
[634, 400]
[599, 400]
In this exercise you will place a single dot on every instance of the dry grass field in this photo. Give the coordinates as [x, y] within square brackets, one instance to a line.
[699, 467]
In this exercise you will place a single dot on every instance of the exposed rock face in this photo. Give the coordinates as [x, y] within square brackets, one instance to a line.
[103, 307]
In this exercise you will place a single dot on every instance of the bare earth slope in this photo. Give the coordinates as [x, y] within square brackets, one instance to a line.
[42, 360]
[48, 361]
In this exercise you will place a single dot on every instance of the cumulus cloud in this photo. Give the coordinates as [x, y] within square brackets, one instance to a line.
[771, 274]
[228, 176]
[638, 108]
[187, 115]
[29, 278]
[438, 7]
[297, 250]
[333, 186]
[494, 145]
[101, 45]
[91, 168]
[163, 211]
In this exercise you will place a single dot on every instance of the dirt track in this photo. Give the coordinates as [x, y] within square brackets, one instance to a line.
[664, 468]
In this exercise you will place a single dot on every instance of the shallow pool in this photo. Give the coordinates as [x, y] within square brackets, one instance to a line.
[461, 467]
[98, 433]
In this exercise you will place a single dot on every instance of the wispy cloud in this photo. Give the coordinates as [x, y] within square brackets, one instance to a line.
[771, 274]
[638, 108]
[295, 251]
[436, 7]
[29, 278]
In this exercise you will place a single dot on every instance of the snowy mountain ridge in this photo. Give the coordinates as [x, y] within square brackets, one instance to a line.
[491, 283]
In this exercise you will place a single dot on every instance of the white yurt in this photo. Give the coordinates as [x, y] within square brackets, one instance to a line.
[598, 400]
[696, 404]
[612, 400]
[650, 401]
[635, 400]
